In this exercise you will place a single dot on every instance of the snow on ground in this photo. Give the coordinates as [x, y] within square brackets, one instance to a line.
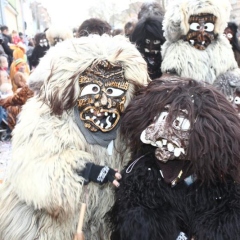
[5, 156]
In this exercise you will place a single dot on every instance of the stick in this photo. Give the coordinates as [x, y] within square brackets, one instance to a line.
[79, 235]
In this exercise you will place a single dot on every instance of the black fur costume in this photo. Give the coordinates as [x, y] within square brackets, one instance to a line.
[94, 26]
[149, 28]
[40, 49]
[204, 202]
[234, 41]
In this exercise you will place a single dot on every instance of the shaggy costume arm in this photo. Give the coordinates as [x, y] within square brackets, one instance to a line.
[140, 211]
[17, 99]
[47, 153]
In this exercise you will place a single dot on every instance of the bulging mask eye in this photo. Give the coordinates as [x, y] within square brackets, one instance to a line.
[147, 41]
[181, 123]
[194, 26]
[229, 35]
[90, 89]
[209, 27]
[156, 42]
[237, 100]
[114, 92]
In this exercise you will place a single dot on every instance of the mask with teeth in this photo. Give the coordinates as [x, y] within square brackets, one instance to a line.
[170, 141]
[201, 32]
[152, 55]
[102, 97]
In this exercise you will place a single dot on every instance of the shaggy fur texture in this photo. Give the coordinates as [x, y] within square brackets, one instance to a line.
[181, 57]
[57, 34]
[38, 51]
[235, 42]
[146, 206]
[40, 198]
[178, 12]
[94, 26]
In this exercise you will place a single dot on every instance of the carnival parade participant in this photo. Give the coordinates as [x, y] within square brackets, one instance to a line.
[66, 147]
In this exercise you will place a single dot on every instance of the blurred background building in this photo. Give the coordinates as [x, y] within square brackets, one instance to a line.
[31, 16]
[26, 16]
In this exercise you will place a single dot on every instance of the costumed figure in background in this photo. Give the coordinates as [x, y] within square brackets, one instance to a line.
[13, 104]
[150, 9]
[56, 34]
[129, 27]
[67, 144]
[148, 37]
[184, 181]
[40, 49]
[229, 85]
[230, 33]
[19, 56]
[94, 26]
[195, 46]
[5, 81]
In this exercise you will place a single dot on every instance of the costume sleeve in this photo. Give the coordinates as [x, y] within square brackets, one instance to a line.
[18, 99]
[47, 154]
[139, 211]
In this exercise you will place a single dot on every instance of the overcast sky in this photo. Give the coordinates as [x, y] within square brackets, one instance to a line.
[74, 12]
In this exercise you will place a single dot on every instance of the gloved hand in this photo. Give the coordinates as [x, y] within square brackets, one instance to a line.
[100, 174]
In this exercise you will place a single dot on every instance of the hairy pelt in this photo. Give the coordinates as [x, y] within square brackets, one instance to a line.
[185, 60]
[235, 42]
[148, 28]
[228, 83]
[176, 24]
[56, 34]
[181, 57]
[38, 51]
[94, 26]
[40, 198]
[208, 208]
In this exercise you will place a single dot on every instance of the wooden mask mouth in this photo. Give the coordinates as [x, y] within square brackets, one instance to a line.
[104, 119]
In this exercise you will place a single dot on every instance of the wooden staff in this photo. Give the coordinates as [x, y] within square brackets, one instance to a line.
[79, 235]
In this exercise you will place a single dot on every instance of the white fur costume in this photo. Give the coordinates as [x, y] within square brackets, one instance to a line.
[59, 32]
[41, 196]
[187, 61]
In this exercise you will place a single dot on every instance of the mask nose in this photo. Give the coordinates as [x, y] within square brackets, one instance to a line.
[104, 99]
[157, 129]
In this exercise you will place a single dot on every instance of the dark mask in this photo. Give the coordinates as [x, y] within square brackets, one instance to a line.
[101, 101]
[201, 30]
[43, 42]
[151, 53]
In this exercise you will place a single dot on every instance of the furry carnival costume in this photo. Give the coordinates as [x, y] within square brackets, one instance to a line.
[148, 37]
[56, 34]
[229, 85]
[230, 33]
[40, 49]
[184, 183]
[94, 26]
[72, 123]
[195, 46]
